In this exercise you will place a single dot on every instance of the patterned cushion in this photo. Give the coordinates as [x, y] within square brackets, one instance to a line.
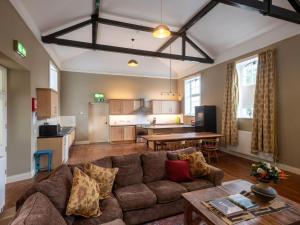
[84, 198]
[198, 165]
[173, 155]
[104, 176]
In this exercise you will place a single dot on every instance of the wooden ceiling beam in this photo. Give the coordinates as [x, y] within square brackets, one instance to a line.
[86, 45]
[95, 22]
[201, 13]
[295, 4]
[265, 8]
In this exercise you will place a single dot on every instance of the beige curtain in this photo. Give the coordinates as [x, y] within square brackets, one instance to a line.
[264, 133]
[229, 114]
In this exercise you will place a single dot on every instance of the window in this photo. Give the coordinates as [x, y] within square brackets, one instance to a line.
[247, 71]
[192, 95]
[53, 79]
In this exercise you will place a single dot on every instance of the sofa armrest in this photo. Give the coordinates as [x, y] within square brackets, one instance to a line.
[115, 222]
[216, 175]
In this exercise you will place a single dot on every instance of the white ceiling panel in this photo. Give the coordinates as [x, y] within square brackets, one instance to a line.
[220, 30]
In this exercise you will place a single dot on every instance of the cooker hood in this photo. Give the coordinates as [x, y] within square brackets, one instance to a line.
[143, 109]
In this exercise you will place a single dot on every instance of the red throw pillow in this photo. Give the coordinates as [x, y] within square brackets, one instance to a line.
[178, 170]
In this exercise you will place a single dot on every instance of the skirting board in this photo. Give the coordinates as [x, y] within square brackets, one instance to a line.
[82, 142]
[19, 177]
[285, 167]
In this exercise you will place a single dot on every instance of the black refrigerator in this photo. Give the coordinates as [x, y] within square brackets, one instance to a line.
[206, 118]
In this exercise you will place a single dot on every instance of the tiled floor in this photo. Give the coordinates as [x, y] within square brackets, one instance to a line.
[233, 166]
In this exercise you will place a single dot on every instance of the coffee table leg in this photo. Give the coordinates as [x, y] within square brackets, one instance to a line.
[188, 214]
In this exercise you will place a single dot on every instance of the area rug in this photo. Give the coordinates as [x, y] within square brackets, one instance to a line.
[174, 220]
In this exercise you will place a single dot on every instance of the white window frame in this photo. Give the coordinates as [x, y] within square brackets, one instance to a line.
[53, 69]
[239, 114]
[188, 111]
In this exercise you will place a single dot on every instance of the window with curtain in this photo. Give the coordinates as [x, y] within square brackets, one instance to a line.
[53, 77]
[192, 90]
[247, 72]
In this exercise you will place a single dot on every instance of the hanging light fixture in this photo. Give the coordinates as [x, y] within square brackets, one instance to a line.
[170, 92]
[132, 62]
[162, 30]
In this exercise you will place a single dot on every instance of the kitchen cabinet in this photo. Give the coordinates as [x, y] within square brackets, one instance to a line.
[60, 146]
[116, 134]
[165, 107]
[129, 133]
[123, 106]
[56, 144]
[122, 133]
[47, 103]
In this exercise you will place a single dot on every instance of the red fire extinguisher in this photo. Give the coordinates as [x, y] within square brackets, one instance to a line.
[34, 104]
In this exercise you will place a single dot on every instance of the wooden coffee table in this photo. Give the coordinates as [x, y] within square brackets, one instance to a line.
[194, 199]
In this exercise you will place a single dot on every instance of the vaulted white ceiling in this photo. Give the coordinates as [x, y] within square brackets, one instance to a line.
[220, 33]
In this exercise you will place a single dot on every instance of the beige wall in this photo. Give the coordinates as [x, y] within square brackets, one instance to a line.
[18, 121]
[12, 27]
[288, 53]
[77, 91]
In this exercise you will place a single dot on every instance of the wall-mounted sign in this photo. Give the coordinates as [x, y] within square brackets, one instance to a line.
[99, 97]
[20, 49]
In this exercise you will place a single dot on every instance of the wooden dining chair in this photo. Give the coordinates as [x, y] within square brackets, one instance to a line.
[193, 143]
[210, 148]
[173, 145]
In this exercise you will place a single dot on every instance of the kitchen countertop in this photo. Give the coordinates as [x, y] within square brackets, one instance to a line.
[169, 126]
[157, 126]
[64, 131]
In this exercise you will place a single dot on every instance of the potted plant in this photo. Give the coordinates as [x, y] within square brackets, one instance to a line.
[266, 173]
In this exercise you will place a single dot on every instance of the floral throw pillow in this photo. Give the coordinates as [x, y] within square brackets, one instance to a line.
[84, 198]
[104, 176]
[198, 165]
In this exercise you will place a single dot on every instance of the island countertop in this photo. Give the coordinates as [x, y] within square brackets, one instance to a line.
[168, 126]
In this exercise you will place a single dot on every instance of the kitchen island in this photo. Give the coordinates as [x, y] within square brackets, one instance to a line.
[169, 128]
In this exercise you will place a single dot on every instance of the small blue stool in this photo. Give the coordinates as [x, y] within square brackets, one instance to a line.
[37, 157]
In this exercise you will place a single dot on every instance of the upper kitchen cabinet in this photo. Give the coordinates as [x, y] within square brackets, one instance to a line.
[165, 107]
[123, 106]
[47, 103]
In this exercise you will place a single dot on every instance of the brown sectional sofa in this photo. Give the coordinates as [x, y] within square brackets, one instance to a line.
[141, 191]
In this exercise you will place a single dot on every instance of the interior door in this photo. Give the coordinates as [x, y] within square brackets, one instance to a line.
[3, 134]
[98, 123]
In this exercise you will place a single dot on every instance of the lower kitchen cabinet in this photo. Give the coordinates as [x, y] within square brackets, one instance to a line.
[60, 147]
[122, 134]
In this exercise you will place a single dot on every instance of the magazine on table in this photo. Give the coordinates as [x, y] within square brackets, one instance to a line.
[233, 204]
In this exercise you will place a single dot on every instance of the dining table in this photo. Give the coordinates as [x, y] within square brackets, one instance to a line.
[160, 138]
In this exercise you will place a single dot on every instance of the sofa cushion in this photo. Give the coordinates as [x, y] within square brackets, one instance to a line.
[136, 196]
[85, 195]
[111, 210]
[197, 184]
[154, 166]
[166, 191]
[178, 170]
[104, 162]
[56, 187]
[38, 209]
[104, 176]
[198, 165]
[173, 155]
[130, 170]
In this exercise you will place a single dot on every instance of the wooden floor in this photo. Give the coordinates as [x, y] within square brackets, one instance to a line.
[233, 166]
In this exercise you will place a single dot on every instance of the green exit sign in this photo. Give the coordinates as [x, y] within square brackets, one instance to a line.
[99, 97]
[20, 49]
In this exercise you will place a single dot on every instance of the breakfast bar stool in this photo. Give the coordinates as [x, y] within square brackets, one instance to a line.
[37, 157]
